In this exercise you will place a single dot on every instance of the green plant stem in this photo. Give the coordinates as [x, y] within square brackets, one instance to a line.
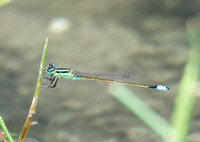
[185, 100]
[36, 96]
[139, 108]
[4, 2]
[5, 130]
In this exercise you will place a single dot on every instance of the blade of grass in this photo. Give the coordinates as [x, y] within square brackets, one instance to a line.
[185, 100]
[4, 2]
[36, 96]
[5, 130]
[139, 108]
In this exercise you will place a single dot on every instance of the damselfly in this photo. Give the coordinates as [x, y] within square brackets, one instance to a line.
[120, 78]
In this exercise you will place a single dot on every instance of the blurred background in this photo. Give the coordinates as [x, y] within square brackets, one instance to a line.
[145, 38]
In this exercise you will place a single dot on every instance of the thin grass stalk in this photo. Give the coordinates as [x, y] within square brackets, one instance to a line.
[141, 110]
[5, 130]
[36, 96]
[185, 100]
[4, 2]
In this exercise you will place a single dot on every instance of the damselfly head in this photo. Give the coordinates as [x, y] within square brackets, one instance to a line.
[50, 69]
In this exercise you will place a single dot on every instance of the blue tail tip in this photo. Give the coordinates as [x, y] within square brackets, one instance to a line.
[160, 87]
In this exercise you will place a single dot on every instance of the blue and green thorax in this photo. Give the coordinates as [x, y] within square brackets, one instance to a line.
[62, 72]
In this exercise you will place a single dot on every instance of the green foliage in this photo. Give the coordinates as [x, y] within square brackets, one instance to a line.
[4, 2]
[3, 126]
[184, 102]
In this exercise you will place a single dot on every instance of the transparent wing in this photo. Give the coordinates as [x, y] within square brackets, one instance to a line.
[111, 77]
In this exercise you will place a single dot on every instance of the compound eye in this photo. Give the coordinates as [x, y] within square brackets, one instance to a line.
[51, 69]
[51, 65]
